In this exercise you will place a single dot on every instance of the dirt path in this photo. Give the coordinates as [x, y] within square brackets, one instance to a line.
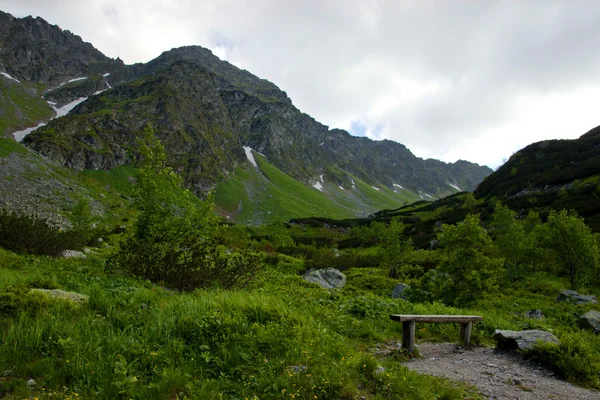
[498, 375]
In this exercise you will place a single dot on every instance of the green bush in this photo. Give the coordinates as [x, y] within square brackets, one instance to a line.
[573, 359]
[172, 240]
[30, 234]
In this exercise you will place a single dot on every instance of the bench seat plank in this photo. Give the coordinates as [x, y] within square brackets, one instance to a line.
[437, 318]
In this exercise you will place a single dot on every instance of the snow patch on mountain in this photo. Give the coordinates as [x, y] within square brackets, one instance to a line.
[9, 77]
[59, 112]
[250, 156]
[455, 187]
[64, 110]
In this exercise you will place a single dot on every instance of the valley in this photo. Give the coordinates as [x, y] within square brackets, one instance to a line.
[178, 229]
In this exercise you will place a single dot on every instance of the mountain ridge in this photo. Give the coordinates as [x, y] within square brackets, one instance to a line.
[206, 111]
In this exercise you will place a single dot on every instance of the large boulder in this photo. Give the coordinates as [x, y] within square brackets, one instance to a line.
[61, 294]
[590, 320]
[398, 292]
[328, 278]
[523, 340]
[574, 297]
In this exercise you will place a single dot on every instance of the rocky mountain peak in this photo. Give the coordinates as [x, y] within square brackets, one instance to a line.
[31, 49]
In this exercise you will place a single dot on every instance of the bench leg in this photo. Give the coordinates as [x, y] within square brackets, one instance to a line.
[408, 336]
[465, 333]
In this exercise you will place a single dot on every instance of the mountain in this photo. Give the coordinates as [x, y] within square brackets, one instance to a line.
[544, 176]
[211, 116]
[35, 51]
[552, 174]
[35, 57]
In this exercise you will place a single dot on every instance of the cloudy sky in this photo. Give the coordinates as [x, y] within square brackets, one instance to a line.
[450, 79]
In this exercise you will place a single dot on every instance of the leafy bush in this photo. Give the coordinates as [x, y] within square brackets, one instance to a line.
[171, 243]
[573, 359]
[466, 272]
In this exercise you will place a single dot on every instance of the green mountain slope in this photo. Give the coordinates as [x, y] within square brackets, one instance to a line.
[552, 174]
[31, 184]
[263, 194]
[21, 106]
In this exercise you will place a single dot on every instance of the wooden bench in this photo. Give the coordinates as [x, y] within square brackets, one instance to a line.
[409, 321]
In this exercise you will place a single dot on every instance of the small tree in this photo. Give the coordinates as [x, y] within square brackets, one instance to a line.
[172, 239]
[394, 248]
[509, 236]
[466, 272]
[574, 245]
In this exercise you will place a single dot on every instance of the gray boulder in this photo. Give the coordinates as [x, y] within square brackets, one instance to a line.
[534, 314]
[574, 297]
[398, 292]
[590, 320]
[523, 340]
[61, 294]
[73, 254]
[328, 278]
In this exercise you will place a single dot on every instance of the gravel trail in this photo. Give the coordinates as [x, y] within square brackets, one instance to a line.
[498, 375]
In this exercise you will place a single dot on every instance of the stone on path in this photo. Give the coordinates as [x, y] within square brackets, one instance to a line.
[523, 340]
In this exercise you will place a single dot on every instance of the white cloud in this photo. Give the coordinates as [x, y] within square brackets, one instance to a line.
[469, 80]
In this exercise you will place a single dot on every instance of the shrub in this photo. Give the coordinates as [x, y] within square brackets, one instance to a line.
[171, 243]
[31, 234]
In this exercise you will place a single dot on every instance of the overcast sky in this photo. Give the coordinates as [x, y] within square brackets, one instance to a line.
[450, 79]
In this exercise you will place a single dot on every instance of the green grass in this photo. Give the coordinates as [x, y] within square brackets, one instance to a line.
[119, 179]
[134, 340]
[251, 197]
[8, 146]
[21, 99]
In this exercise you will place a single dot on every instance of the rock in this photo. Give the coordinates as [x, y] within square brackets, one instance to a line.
[523, 340]
[398, 292]
[73, 254]
[534, 314]
[590, 320]
[379, 370]
[328, 278]
[297, 368]
[31, 382]
[61, 294]
[434, 244]
[574, 297]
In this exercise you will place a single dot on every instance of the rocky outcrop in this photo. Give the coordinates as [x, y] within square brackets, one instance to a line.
[398, 292]
[590, 320]
[572, 296]
[523, 340]
[328, 278]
